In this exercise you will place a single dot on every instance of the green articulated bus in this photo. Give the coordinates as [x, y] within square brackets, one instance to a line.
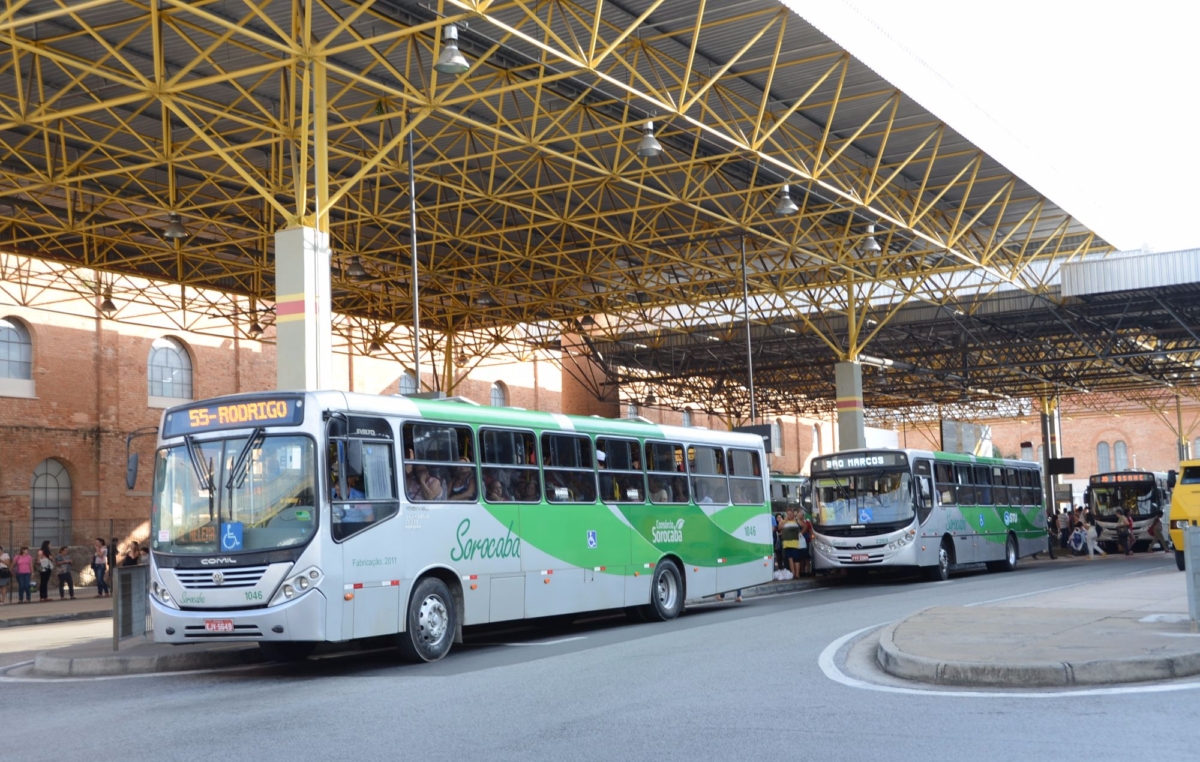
[291, 519]
[928, 510]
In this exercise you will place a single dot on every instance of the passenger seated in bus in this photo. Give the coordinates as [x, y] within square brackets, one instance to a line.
[679, 490]
[462, 484]
[528, 489]
[658, 491]
[630, 488]
[495, 492]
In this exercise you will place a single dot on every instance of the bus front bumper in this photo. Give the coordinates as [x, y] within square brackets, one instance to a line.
[861, 553]
[300, 619]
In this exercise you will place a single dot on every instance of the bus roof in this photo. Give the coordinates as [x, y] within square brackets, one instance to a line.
[465, 412]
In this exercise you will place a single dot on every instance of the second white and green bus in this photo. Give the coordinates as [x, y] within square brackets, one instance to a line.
[291, 519]
[875, 509]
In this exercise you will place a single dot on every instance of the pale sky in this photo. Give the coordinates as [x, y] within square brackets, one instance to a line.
[1096, 104]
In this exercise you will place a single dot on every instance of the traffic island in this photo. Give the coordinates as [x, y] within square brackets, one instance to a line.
[1038, 647]
[96, 658]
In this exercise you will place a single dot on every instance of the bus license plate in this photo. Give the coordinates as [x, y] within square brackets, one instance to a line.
[858, 557]
[218, 625]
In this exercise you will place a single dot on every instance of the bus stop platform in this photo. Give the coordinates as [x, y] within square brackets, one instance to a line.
[1129, 630]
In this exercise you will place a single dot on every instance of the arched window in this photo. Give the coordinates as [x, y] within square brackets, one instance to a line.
[169, 371]
[1120, 455]
[51, 505]
[499, 394]
[16, 359]
[16, 350]
[687, 419]
[1103, 463]
[777, 437]
[408, 383]
[631, 411]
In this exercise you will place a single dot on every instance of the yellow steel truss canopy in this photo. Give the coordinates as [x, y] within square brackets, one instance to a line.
[243, 117]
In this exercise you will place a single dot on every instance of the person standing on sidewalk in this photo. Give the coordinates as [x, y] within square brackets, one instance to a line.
[5, 576]
[1051, 531]
[100, 567]
[1124, 532]
[1089, 525]
[63, 560]
[23, 565]
[1156, 535]
[45, 569]
[114, 558]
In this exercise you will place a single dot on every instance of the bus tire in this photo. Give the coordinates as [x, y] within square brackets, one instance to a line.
[431, 622]
[1010, 554]
[941, 571]
[666, 593]
[294, 650]
[1179, 560]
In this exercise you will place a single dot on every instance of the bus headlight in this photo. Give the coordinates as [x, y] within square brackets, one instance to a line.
[163, 595]
[298, 585]
[1179, 523]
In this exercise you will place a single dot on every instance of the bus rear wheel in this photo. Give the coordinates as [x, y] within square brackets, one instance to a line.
[1010, 557]
[940, 572]
[1179, 560]
[431, 622]
[666, 593]
[287, 650]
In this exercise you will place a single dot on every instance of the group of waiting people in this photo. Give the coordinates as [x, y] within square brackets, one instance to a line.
[1078, 532]
[793, 537]
[47, 563]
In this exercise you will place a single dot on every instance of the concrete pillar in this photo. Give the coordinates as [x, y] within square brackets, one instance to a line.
[1051, 438]
[304, 344]
[852, 434]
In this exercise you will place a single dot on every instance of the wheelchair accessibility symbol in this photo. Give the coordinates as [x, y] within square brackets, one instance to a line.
[231, 536]
[591, 538]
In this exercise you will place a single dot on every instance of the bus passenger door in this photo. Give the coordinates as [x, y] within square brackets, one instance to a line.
[363, 513]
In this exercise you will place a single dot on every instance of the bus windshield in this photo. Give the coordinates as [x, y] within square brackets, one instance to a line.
[879, 498]
[1137, 498]
[222, 496]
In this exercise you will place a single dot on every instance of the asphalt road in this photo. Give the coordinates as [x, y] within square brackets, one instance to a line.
[725, 682]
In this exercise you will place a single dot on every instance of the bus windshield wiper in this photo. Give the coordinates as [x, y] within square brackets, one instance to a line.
[237, 475]
[203, 472]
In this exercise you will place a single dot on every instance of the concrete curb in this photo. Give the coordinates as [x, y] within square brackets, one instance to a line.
[898, 663]
[75, 616]
[60, 662]
[771, 588]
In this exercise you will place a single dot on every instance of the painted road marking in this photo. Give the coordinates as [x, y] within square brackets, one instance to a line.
[544, 642]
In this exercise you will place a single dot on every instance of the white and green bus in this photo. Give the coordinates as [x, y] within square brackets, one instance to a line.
[291, 519]
[928, 510]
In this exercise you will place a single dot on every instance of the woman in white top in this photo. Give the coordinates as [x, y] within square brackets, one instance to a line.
[1089, 525]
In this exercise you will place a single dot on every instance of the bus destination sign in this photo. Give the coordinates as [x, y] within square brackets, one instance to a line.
[864, 460]
[277, 411]
[1121, 478]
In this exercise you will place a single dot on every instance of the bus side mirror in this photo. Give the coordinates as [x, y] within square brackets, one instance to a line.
[1171, 475]
[131, 466]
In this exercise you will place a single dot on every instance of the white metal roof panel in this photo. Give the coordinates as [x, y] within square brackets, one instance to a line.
[1131, 272]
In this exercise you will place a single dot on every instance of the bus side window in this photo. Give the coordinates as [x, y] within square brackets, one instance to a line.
[1001, 491]
[983, 482]
[966, 488]
[945, 483]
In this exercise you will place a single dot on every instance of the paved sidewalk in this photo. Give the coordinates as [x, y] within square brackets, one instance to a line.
[85, 606]
[1129, 629]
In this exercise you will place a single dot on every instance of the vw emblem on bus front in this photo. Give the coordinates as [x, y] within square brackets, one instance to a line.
[218, 578]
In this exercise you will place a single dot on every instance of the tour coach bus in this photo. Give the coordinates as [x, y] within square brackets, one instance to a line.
[294, 518]
[930, 510]
[1143, 495]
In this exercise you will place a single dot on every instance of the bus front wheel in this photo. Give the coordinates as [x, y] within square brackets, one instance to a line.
[1179, 559]
[941, 572]
[666, 593]
[431, 623]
